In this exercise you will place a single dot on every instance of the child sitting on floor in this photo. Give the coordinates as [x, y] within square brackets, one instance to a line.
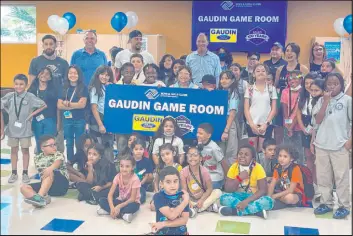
[54, 177]
[172, 205]
[128, 201]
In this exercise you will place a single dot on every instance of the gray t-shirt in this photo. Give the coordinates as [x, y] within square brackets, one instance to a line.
[212, 156]
[58, 67]
[335, 128]
[20, 128]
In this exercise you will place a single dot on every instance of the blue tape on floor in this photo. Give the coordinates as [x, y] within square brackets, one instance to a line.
[288, 230]
[3, 205]
[62, 225]
[5, 161]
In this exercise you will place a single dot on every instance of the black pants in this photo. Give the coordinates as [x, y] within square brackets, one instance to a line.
[59, 186]
[131, 208]
[88, 194]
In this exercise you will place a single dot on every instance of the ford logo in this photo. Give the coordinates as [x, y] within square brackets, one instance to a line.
[148, 125]
[223, 37]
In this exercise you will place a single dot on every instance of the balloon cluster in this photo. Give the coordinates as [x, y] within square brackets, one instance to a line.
[62, 24]
[120, 20]
[343, 26]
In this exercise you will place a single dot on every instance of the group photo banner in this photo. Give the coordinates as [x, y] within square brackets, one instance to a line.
[141, 109]
[240, 26]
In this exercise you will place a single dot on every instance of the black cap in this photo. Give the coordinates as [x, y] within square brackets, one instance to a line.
[135, 33]
[277, 44]
[210, 79]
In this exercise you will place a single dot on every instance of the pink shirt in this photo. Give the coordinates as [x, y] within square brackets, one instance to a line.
[192, 185]
[294, 105]
[125, 190]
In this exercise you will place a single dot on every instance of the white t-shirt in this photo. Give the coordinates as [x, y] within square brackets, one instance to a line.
[177, 142]
[260, 103]
[155, 84]
[124, 56]
[139, 78]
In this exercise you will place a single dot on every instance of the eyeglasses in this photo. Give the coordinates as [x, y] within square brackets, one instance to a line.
[318, 49]
[195, 154]
[50, 145]
[253, 59]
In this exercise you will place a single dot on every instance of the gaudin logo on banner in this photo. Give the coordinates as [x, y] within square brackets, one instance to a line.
[223, 35]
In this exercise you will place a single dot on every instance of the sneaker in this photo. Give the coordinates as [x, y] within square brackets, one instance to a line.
[226, 211]
[341, 213]
[102, 212]
[13, 178]
[193, 212]
[36, 200]
[47, 199]
[213, 208]
[25, 179]
[262, 214]
[322, 209]
[128, 217]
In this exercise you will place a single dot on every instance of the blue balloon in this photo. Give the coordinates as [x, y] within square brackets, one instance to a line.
[71, 18]
[119, 21]
[347, 23]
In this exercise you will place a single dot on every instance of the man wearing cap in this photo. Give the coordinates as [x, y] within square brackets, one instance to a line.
[209, 82]
[135, 38]
[276, 58]
[203, 61]
[89, 58]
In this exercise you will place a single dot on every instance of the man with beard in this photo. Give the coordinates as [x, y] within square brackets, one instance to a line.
[135, 38]
[89, 58]
[276, 58]
[57, 65]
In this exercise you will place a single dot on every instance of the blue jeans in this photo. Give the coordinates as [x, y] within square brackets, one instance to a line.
[73, 129]
[143, 195]
[40, 128]
[217, 184]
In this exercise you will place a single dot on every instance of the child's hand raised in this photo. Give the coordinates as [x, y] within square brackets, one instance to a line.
[327, 95]
[244, 175]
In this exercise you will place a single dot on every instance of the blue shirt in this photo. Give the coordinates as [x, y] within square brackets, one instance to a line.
[143, 167]
[88, 63]
[203, 65]
[95, 99]
[233, 102]
[191, 85]
[161, 199]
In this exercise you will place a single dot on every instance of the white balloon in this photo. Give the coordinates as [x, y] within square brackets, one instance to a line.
[132, 19]
[339, 28]
[63, 26]
[53, 22]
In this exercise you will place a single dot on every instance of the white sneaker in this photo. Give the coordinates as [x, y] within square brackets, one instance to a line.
[213, 208]
[25, 179]
[101, 211]
[128, 217]
[47, 199]
[193, 212]
[13, 178]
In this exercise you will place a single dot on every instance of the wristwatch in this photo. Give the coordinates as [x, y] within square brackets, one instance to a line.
[268, 123]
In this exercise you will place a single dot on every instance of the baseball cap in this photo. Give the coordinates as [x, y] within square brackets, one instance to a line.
[135, 33]
[210, 79]
[277, 44]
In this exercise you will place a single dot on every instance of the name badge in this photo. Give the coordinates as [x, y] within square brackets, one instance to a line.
[308, 129]
[40, 117]
[18, 124]
[68, 115]
[288, 121]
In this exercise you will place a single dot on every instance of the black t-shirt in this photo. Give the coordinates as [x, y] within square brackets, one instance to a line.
[77, 114]
[274, 66]
[105, 172]
[315, 67]
[80, 159]
[161, 199]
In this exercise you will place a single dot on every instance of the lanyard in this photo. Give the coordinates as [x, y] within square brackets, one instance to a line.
[251, 167]
[17, 112]
[71, 95]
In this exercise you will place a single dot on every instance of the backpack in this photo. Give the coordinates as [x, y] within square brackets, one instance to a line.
[250, 88]
[308, 191]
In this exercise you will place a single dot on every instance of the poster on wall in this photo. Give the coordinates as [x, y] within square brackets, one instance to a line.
[144, 44]
[240, 26]
[333, 51]
[142, 109]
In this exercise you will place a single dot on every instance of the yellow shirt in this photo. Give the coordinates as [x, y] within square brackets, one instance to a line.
[257, 173]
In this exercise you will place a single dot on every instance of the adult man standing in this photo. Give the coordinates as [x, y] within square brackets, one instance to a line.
[58, 67]
[135, 38]
[203, 62]
[89, 58]
[247, 72]
[276, 58]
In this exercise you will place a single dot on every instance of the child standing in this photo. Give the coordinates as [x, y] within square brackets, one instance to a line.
[165, 68]
[127, 72]
[267, 158]
[246, 186]
[144, 168]
[172, 205]
[289, 103]
[290, 188]
[102, 77]
[209, 82]
[184, 79]
[54, 177]
[73, 103]
[128, 201]
[168, 132]
[20, 105]
[196, 180]
[212, 156]
[260, 107]
[100, 174]
[137, 61]
[230, 139]
[333, 114]
[151, 72]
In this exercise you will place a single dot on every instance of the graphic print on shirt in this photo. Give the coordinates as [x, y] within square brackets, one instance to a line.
[210, 167]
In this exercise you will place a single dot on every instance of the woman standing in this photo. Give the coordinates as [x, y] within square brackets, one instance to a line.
[317, 57]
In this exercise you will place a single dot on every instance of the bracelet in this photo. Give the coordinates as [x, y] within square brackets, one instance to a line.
[239, 179]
